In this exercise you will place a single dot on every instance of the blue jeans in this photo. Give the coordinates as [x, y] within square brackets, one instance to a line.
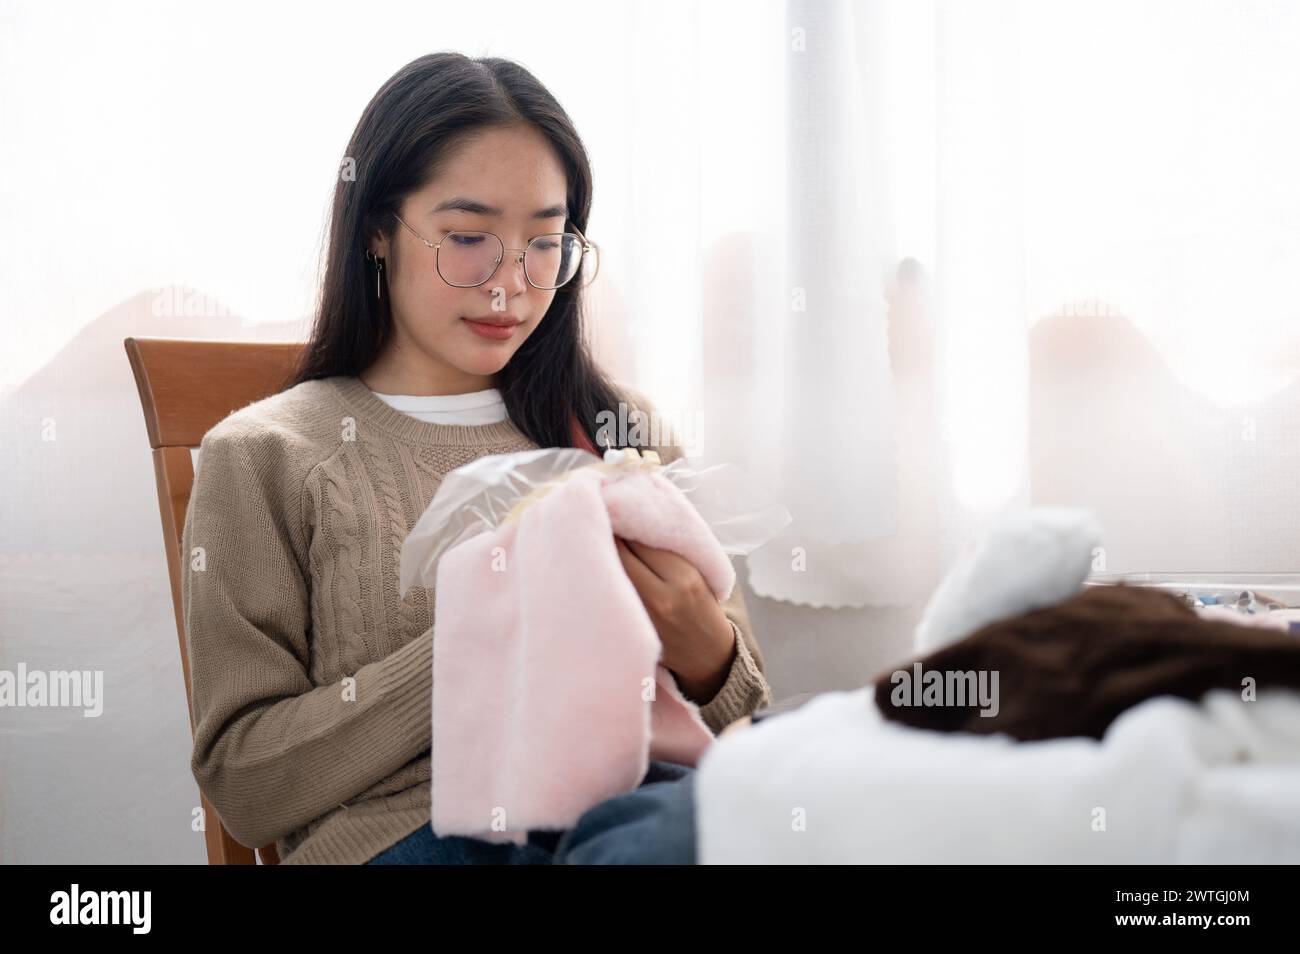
[652, 824]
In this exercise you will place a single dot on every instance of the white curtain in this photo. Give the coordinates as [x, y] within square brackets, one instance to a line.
[761, 329]
[935, 260]
[800, 338]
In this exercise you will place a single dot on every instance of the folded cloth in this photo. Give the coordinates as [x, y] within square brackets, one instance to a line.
[1073, 668]
[543, 607]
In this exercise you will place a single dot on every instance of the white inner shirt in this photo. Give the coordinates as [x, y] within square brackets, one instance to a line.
[478, 407]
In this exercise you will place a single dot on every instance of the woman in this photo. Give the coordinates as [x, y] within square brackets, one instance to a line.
[448, 328]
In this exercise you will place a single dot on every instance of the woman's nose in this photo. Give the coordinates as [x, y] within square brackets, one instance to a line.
[510, 275]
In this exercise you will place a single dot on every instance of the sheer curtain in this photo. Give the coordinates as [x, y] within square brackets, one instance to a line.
[955, 258]
[761, 327]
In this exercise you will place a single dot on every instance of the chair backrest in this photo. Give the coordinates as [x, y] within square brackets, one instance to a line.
[186, 386]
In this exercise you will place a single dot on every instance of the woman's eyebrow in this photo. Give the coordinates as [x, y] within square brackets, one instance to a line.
[463, 204]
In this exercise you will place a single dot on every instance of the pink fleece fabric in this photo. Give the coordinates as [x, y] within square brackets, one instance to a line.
[548, 697]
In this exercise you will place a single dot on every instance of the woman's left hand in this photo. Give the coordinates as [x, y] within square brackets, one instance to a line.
[699, 644]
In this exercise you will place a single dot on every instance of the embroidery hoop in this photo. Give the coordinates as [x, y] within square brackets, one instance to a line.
[627, 460]
[476, 497]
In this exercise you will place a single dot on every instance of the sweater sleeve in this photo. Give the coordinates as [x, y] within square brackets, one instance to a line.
[745, 688]
[272, 751]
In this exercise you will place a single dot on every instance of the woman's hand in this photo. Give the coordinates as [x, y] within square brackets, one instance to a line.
[699, 644]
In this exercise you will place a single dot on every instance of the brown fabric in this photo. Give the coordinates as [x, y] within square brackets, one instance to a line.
[1071, 669]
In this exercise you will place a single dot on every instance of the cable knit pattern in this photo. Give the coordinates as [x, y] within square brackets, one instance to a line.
[311, 681]
[402, 618]
[343, 581]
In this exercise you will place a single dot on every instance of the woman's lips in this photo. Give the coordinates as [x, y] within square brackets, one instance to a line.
[494, 332]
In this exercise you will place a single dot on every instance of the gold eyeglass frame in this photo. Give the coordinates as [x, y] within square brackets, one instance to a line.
[586, 247]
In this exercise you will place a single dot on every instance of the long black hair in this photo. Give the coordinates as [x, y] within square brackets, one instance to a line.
[395, 150]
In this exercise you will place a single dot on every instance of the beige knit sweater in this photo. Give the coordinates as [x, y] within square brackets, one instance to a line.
[293, 535]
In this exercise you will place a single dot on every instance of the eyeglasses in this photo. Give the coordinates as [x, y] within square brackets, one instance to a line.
[468, 258]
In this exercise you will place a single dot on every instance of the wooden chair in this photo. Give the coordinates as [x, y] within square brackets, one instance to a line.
[186, 386]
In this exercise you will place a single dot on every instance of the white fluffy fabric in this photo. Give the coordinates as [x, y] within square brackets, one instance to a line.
[1175, 782]
[1028, 560]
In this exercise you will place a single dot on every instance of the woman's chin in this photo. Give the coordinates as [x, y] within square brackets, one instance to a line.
[486, 361]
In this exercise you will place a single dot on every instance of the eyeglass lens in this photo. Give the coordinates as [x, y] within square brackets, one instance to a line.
[470, 258]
